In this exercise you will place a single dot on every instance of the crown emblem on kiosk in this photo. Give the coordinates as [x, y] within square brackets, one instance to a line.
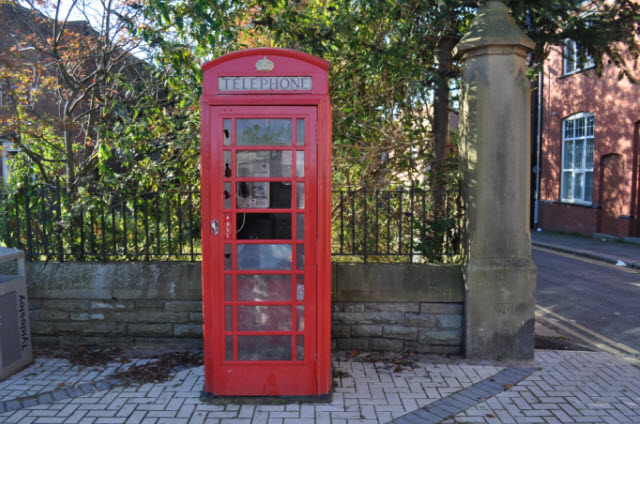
[264, 65]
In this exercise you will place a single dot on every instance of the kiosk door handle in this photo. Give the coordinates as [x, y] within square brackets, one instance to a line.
[215, 227]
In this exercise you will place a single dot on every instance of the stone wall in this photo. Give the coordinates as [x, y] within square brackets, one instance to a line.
[376, 307]
[382, 307]
[126, 303]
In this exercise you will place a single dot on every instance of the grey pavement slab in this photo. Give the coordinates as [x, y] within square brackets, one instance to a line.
[608, 250]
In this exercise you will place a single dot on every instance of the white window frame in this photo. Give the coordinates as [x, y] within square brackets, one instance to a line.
[8, 151]
[570, 56]
[579, 171]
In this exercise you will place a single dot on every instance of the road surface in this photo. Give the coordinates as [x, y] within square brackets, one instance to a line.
[595, 303]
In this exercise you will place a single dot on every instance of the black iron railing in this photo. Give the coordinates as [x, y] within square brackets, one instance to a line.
[51, 223]
[396, 224]
[400, 224]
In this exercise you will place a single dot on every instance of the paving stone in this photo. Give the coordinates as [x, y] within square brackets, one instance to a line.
[491, 388]
[392, 410]
[126, 411]
[29, 402]
[472, 394]
[162, 414]
[586, 419]
[246, 411]
[86, 388]
[151, 407]
[136, 417]
[220, 414]
[13, 405]
[526, 420]
[522, 404]
[572, 412]
[117, 403]
[209, 408]
[342, 415]
[571, 386]
[623, 409]
[270, 408]
[49, 420]
[185, 411]
[384, 417]
[301, 420]
[444, 405]
[235, 420]
[619, 416]
[459, 402]
[327, 408]
[287, 414]
[427, 417]
[410, 404]
[403, 420]
[528, 397]
[504, 416]
[110, 420]
[466, 419]
[436, 410]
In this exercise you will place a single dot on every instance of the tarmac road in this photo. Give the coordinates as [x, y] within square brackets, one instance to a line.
[596, 303]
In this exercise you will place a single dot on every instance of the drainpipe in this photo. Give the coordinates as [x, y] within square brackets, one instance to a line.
[536, 207]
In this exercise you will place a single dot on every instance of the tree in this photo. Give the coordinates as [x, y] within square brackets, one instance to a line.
[392, 66]
[380, 80]
[606, 31]
[391, 78]
[411, 43]
[157, 146]
[79, 81]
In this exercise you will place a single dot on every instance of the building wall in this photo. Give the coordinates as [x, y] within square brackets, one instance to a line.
[15, 29]
[615, 106]
[376, 307]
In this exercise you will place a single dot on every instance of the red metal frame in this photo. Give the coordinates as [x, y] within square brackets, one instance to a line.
[312, 376]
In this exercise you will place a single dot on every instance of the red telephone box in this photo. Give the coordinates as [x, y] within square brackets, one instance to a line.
[266, 193]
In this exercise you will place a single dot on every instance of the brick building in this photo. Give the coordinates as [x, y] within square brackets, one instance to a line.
[12, 32]
[589, 144]
[17, 24]
[25, 45]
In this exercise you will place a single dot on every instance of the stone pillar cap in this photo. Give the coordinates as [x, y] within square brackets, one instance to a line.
[493, 26]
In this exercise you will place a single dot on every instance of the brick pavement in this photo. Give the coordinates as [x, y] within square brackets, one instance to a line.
[572, 387]
[559, 387]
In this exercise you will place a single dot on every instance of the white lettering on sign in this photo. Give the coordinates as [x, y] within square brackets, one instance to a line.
[248, 84]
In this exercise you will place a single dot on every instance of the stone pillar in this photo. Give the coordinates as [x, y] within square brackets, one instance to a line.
[500, 278]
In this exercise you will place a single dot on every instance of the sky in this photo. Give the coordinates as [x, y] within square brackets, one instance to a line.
[93, 9]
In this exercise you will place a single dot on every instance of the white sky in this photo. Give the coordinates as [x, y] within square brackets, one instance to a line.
[88, 10]
[92, 8]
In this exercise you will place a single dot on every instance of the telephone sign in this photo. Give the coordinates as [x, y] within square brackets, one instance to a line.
[266, 182]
